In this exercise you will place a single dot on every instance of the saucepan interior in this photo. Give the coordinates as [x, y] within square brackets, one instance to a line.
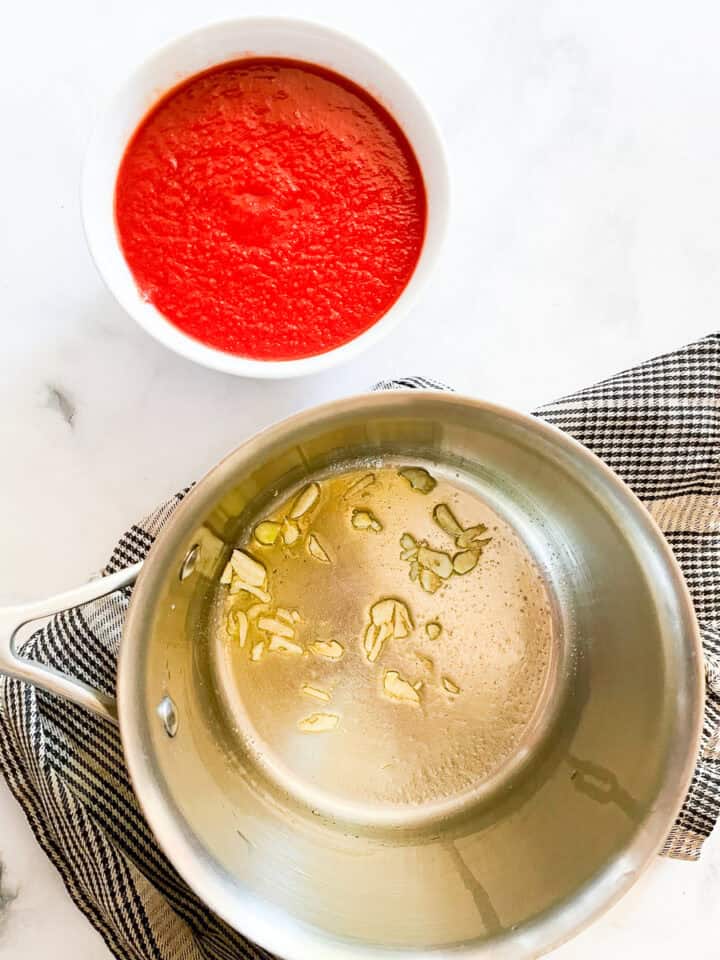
[546, 844]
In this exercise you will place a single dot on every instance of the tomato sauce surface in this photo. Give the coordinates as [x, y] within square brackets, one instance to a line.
[270, 208]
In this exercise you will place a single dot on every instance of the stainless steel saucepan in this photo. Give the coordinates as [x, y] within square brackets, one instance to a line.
[543, 848]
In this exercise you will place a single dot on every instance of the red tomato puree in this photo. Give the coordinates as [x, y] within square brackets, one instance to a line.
[270, 208]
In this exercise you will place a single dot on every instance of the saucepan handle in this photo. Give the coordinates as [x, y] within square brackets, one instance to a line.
[14, 665]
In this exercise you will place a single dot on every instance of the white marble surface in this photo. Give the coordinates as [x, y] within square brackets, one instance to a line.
[584, 147]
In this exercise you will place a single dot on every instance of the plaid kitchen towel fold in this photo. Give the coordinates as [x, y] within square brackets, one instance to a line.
[657, 425]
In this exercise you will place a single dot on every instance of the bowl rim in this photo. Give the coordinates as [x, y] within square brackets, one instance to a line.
[159, 327]
[275, 929]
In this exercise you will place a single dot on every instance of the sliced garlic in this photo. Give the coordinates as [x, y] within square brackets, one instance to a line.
[248, 568]
[316, 550]
[285, 615]
[327, 649]
[433, 629]
[290, 532]
[419, 479]
[237, 625]
[440, 563]
[255, 609]
[238, 585]
[389, 618]
[243, 627]
[283, 645]
[365, 520]
[414, 570]
[425, 661]
[295, 614]
[319, 722]
[267, 532]
[315, 692]
[227, 573]
[398, 688]
[375, 639]
[275, 626]
[445, 519]
[409, 554]
[361, 519]
[402, 625]
[371, 644]
[429, 581]
[408, 542]
[257, 651]
[304, 501]
[357, 486]
[466, 561]
[471, 537]
[382, 611]
[450, 686]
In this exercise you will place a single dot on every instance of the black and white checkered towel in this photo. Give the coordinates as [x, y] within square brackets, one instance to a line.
[657, 425]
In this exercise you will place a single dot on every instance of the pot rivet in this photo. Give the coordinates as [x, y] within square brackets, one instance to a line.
[168, 714]
[188, 564]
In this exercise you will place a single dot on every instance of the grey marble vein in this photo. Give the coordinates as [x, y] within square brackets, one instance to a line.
[6, 895]
[59, 400]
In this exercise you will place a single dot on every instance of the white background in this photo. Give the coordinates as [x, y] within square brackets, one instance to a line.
[584, 146]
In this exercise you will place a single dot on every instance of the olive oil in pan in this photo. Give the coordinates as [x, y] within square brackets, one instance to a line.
[385, 640]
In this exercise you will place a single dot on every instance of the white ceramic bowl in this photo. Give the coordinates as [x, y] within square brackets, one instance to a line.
[218, 43]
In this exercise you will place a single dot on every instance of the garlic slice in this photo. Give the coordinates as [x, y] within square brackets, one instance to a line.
[267, 532]
[257, 651]
[398, 688]
[304, 501]
[327, 649]
[465, 561]
[408, 542]
[393, 612]
[445, 519]
[440, 563]
[319, 722]
[255, 609]
[317, 693]
[316, 550]
[429, 581]
[375, 638]
[389, 618]
[290, 532]
[248, 568]
[237, 625]
[283, 645]
[382, 611]
[275, 626]
[418, 478]
[433, 629]
[450, 686]
[365, 520]
[238, 586]
[471, 537]
[402, 625]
